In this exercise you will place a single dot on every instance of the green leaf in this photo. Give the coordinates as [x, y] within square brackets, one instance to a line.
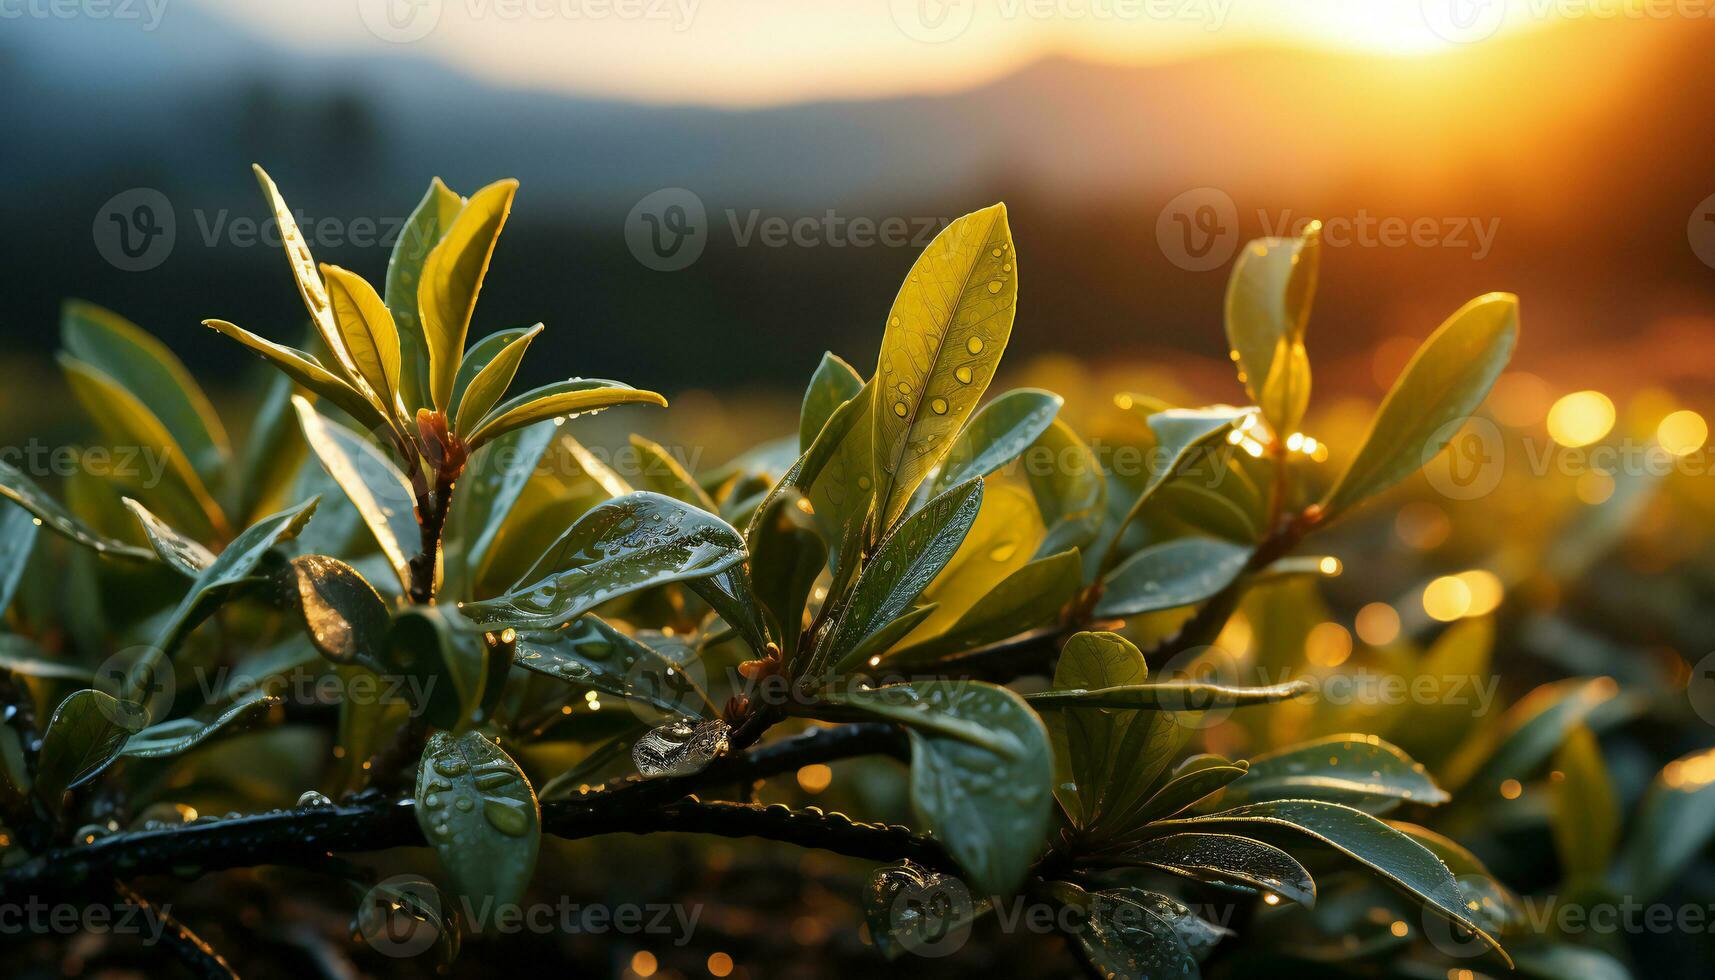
[903, 565]
[343, 616]
[1169, 696]
[85, 735]
[1396, 858]
[371, 482]
[1360, 771]
[1530, 733]
[310, 285]
[834, 383]
[1188, 788]
[452, 278]
[571, 397]
[478, 812]
[1267, 309]
[592, 653]
[450, 664]
[1093, 737]
[1446, 380]
[1175, 573]
[945, 335]
[24, 492]
[1125, 934]
[998, 434]
[882, 641]
[490, 488]
[428, 223]
[182, 734]
[308, 372]
[181, 554]
[1227, 859]
[785, 558]
[1071, 491]
[1674, 823]
[1586, 815]
[230, 569]
[366, 326]
[486, 372]
[145, 367]
[660, 472]
[732, 596]
[18, 529]
[633, 542]
[980, 772]
[836, 475]
[1029, 598]
[126, 421]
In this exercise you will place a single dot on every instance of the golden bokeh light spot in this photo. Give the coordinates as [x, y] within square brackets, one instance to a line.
[1510, 789]
[1377, 624]
[1682, 433]
[1447, 598]
[1594, 487]
[1580, 418]
[1485, 590]
[1327, 645]
[815, 778]
[720, 964]
[643, 963]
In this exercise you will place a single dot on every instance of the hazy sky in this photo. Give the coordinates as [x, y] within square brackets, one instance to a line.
[762, 51]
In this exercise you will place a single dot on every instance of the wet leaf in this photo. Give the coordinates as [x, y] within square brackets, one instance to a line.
[1132, 933]
[486, 373]
[1267, 308]
[945, 335]
[786, 556]
[343, 615]
[1530, 732]
[910, 909]
[594, 654]
[1093, 737]
[1227, 859]
[487, 493]
[1175, 573]
[903, 565]
[1674, 823]
[572, 397]
[180, 553]
[430, 220]
[1169, 696]
[24, 492]
[1361, 771]
[1188, 788]
[680, 747]
[85, 735]
[307, 371]
[381, 494]
[450, 664]
[182, 734]
[1029, 598]
[634, 542]
[997, 434]
[366, 326]
[478, 812]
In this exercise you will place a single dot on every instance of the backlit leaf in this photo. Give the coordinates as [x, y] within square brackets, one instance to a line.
[833, 384]
[366, 326]
[430, 220]
[452, 278]
[307, 371]
[343, 616]
[478, 812]
[371, 482]
[574, 396]
[491, 362]
[1175, 573]
[85, 735]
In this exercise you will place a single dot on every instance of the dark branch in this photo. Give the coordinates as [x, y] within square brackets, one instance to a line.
[192, 950]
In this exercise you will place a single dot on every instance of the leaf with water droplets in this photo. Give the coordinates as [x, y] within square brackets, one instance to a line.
[594, 654]
[1169, 696]
[1186, 789]
[343, 616]
[478, 812]
[24, 492]
[1183, 437]
[1528, 734]
[1267, 309]
[1095, 738]
[680, 748]
[903, 565]
[911, 909]
[310, 285]
[371, 339]
[1394, 857]
[998, 434]
[1170, 575]
[1137, 935]
[486, 373]
[182, 734]
[834, 383]
[571, 397]
[1227, 859]
[181, 554]
[371, 482]
[634, 542]
[980, 772]
[945, 335]
[86, 733]
[1358, 770]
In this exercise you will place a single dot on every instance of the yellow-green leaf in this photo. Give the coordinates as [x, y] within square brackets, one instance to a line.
[422, 232]
[310, 285]
[1268, 305]
[492, 379]
[945, 335]
[452, 278]
[126, 421]
[574, 396]
[367, 328]
[1586, 815]
[1448, 378]
[307, 371]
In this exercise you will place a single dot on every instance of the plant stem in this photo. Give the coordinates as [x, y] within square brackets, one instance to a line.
[192, 950]
[432, 512]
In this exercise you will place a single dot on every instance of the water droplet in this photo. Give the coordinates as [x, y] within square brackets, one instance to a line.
[994, 286]
[510, 817]
[899, 409]
[893, 322]
[313, 798]
[939, 406]
[974, 345]
[905, 387]
[964, 375]
[452, 765]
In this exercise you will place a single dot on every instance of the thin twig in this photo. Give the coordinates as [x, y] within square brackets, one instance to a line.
[193, 951]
